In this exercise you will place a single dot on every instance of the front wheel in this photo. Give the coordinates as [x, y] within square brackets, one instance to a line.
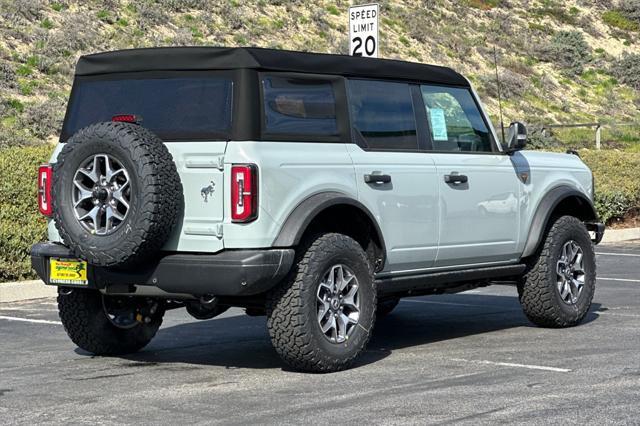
[108, 325]
[320, 318]
[559, 285]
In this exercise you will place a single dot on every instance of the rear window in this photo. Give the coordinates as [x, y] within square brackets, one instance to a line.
[382, 114]
[176, 108]
[299, 106]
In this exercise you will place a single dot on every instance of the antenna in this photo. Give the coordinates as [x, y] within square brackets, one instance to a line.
[495, 63]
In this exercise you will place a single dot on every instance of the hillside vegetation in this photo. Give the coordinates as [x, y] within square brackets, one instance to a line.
[561, 61]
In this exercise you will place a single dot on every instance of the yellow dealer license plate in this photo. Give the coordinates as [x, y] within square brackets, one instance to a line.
[67, 271]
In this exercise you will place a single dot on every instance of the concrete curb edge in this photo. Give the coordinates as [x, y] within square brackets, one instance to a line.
[25, 290]
[620, 235]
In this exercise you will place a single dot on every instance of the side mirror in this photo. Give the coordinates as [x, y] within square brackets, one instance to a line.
[517, 137]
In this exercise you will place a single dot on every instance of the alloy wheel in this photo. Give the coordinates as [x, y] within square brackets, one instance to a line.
[101, 194]
[570, 272]
[338, 303]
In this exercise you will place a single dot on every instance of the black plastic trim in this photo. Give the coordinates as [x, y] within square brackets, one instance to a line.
[297, 222]
[227, 273]
[598, 229]
[40, 254]
[545, 210]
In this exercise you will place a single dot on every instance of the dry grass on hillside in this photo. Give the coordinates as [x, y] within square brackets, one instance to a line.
[560, 60]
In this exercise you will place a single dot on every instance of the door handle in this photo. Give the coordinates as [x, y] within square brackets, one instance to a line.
[377, 178]
[456, 178]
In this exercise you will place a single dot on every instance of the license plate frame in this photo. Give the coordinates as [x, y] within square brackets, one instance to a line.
[65, 271]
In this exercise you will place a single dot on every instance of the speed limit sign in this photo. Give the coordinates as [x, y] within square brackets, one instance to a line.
[363, 30]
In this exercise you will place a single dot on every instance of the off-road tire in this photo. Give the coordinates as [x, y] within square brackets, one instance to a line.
[537, 290]
[83, 317]
[156, 188]
[386, 306]
[291, 307]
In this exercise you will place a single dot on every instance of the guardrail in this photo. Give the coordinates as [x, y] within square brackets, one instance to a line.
[598, 128]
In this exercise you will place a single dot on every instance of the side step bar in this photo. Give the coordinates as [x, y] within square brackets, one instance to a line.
[432, 282]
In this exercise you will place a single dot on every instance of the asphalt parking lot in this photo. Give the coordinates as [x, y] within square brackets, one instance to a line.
[466, 358]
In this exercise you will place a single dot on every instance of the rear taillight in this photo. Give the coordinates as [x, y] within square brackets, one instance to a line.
[45, 175]
[127, 118]
[244, 192]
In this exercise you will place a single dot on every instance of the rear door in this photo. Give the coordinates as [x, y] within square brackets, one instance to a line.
[191, 112]
[396, 178]
[478, 186]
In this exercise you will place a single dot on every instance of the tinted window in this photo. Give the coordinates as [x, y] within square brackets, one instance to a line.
[173, 108]
[298, 106]
[382, 114]
[455, 120]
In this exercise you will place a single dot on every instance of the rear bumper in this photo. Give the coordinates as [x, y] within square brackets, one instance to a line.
[598, 229]
[227, 273]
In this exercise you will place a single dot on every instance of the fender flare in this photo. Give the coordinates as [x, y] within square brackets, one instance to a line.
[544, 211]
[299, 219]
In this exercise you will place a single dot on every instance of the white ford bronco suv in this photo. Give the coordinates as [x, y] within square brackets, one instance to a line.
[314, 189]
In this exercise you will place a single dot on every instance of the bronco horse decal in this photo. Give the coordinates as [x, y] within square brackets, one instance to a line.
[207, 190]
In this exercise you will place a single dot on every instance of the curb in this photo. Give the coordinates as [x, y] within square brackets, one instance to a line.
[25, 290]
[619, 235]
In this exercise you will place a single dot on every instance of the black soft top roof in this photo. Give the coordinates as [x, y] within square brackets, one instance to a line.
[223, 58]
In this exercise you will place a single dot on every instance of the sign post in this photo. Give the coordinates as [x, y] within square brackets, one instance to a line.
[363, 30]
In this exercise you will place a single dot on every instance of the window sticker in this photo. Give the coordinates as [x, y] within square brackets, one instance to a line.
[438, 124]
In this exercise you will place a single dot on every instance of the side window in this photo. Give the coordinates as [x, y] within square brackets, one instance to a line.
[382, 114]
[299, 106]
[455, 120]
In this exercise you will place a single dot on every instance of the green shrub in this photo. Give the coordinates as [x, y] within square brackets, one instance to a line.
[617, 176]
[483, 4]
[512, 84]
[617, 19]
[556, 10]
[26, 9]
[333, 10]
[57, 6]
[44, 119]
[7, 76]
[150, 15]
[538, 139]
[569, 50]
[21, 225]
[631, 9]
[627, 70]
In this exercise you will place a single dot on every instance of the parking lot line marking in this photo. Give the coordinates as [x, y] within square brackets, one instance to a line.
[627, 280]
[617, 254]
[618, 314]
[511, 364]
[37, 321]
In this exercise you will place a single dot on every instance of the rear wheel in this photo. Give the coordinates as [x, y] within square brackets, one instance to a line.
[560, 283]
[321, 317]
[108, 325]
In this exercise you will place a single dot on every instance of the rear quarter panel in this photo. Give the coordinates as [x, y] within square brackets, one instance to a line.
[289, 173]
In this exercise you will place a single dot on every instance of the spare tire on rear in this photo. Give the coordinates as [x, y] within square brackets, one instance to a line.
[116, 194]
